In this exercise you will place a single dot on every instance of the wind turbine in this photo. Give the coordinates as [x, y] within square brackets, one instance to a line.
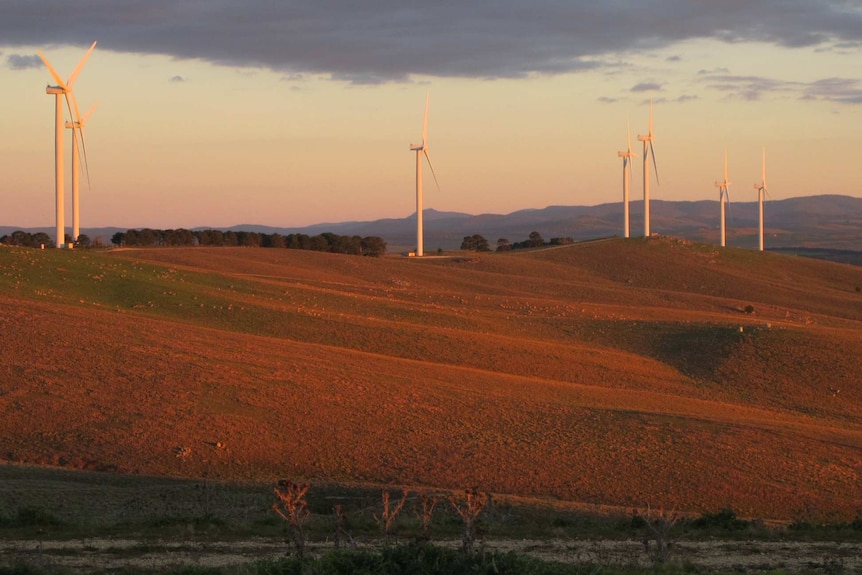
[627, 171]
[61, 89]
[723, 198]
[761, 189]
[78, 127]
[422, 149]
[648, 150]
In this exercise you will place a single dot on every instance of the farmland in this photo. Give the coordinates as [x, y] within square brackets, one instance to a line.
[618, 373]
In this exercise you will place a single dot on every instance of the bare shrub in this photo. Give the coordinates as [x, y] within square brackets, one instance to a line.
[424, 511]
[657, 542]
[291, 506]
[469, 510]
[390, 512]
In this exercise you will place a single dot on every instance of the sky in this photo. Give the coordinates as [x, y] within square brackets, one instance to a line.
[285, 113]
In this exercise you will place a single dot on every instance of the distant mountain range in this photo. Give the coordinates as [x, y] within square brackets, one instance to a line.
[825, 221]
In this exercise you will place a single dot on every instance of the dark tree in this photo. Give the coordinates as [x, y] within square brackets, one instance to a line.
[84, 241]
[21, 238]
[475, 243]
[373, 246]
[503, 245]
[41, 239]
[536, 240]
[118, 239]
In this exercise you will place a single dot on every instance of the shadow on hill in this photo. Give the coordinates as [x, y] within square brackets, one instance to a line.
[696, 351]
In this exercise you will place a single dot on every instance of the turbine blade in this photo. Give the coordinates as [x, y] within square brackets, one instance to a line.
[650, 117]
[90, 111]
[629, 135]
[51, 69]
[763, 177]
[725, 166]
[430, 165]
[80, 129]
[654, 164]
[425, 122]
[78, 124]
[80, 65]
[71, 96]
[72, 117]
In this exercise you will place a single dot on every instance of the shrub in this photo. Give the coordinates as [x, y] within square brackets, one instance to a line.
[749, 309]
[291, 506]
[725, 519]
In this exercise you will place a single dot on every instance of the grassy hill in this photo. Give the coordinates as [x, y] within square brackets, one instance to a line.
[619, 372]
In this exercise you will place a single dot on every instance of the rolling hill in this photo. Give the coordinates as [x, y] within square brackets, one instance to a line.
[615, 372]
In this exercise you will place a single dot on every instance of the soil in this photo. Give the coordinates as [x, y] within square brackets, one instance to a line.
[623, 373]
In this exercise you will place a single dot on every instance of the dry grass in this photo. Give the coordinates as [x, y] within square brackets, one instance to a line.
[611, 373]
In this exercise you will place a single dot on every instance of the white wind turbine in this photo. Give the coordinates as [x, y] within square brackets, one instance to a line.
[61, 89]
[761, 189]
[648, 150]
[421, 149]
[78, 126]
[723, 198]
[627, 171]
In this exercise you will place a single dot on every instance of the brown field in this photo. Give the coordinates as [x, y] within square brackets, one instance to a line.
[619, 372]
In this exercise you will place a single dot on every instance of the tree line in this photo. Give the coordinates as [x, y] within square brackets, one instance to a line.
[146, 237]
[325, 242]
[477, 243]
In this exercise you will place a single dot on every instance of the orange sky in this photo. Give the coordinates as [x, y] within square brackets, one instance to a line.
[183, 142]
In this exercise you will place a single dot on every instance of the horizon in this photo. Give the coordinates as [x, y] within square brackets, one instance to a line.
[50, 227]
[293, 132]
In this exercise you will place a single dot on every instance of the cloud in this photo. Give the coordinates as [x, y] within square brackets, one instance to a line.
[177, 79]
[703, 72]
[836, 90]
[395, 40]
[646, 87]
[839, 90]
[23, 62]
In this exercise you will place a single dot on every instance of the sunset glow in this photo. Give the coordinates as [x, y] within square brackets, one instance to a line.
[310, 122]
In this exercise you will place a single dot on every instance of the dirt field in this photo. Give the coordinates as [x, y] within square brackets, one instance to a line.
[619, 373]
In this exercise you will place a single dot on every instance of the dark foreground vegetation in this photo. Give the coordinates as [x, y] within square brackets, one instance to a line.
[152, 525]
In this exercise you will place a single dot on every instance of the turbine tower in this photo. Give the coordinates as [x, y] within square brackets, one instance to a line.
[627, 171]
[648, 150]
[61, 89]
[78, 127]
[761, 189]
[723, 198]
[422, 149]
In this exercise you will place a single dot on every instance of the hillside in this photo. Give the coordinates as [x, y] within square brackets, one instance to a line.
[619, 372]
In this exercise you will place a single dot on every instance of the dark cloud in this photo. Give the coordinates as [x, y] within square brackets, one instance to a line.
[177, 79]
[608, 100]
[392, 40]
[837, 90]
[23, 62]
[840, 90]
[646, 87]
